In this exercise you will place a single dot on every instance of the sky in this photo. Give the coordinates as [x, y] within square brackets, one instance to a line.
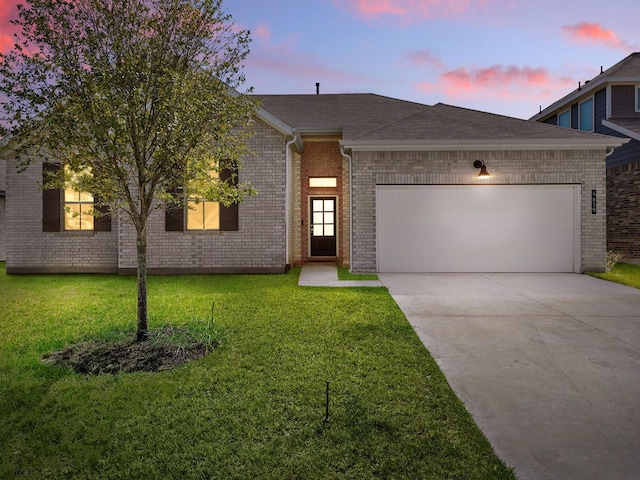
[510, 57]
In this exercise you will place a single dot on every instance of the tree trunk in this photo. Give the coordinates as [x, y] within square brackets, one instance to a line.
[141, 244]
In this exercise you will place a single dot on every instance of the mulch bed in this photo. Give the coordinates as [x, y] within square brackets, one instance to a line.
[102, 357]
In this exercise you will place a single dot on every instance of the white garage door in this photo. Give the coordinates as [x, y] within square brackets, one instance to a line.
[478, 228]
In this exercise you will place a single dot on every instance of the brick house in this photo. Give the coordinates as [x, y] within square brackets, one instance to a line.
[610, 104]
[372, 182]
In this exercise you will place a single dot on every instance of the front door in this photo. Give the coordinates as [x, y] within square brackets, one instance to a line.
[323, 227]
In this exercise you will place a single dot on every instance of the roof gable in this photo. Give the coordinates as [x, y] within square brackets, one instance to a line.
[626, 70]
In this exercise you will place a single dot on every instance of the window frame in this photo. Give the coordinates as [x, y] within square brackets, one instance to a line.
[202, 204]
[566, 112]
[637, 102]
[323, 182]
[84, 207]
[592, 114]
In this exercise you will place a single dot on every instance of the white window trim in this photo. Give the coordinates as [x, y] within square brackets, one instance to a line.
[637, 98]
[568, 110]
[593, 114]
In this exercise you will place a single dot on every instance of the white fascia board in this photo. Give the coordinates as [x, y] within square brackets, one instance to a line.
[274, 121]
[281, 126]
[472, 145]
[622, 130]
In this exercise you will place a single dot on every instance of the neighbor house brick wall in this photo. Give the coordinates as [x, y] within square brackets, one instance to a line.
[29, 249]
[585, 168]
[623, 210]
[257, 246]
[322, 158]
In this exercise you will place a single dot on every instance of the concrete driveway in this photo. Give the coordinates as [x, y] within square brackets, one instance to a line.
[547, 364]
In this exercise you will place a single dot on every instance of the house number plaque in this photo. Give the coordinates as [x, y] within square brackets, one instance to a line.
[594, 202]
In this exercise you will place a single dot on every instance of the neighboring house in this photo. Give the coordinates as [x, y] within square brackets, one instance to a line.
[610, 104]
[372, 182]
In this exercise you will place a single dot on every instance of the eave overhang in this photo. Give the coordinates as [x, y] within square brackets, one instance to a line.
[481, 145]
[281, 126]
[622, 130]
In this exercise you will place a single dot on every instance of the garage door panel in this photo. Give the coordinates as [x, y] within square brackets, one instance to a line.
[480, 228]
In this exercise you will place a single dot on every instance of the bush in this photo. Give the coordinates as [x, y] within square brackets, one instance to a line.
[612, 259]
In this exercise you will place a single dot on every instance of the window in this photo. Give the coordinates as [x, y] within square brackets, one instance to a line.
[319, 182]
[564, 119]
[637, 98]
[203, 214]
[59, 206]
[77, 208]
[586, 115]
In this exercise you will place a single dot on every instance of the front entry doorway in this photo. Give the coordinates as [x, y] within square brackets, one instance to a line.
[323, 227]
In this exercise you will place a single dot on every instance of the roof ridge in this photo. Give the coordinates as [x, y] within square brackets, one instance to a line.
[386, 125]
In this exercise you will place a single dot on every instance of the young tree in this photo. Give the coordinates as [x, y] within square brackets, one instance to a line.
[137, 98]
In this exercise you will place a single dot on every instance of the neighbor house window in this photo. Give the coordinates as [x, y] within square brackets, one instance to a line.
[326, 182]
[78, 208]
[203, 214]
[586, 115]
[564, 119]
[637, 98]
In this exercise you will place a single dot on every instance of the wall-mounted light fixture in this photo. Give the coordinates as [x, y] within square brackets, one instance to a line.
[483, 170]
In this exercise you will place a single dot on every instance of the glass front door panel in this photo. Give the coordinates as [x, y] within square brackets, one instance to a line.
[323, 227]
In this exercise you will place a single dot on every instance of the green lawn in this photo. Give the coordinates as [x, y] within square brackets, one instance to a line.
[345, 274]
[624, 273]
[254, 408]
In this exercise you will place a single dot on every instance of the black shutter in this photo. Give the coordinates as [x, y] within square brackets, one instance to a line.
[229, 215]
[103, 222]
[50, 199]
[174, 218]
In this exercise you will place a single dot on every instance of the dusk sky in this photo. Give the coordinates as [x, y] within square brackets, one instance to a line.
[502, 56]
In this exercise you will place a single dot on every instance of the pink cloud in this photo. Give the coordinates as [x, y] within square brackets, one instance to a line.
[409, 11]
[498, 82]
[594, 33]
[262, 32]
[8, 11]
[421, 58]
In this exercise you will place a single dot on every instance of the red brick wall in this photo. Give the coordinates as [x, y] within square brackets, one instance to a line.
[623, 210]
[321, 158]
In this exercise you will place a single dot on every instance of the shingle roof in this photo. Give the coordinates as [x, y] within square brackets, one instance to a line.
[626, 126]
[446, 122]
[374, 118]
[354, 114]
[625, 68]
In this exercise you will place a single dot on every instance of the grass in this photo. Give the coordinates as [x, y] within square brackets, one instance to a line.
[345, 274]
[624, 273]
[253, 408]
